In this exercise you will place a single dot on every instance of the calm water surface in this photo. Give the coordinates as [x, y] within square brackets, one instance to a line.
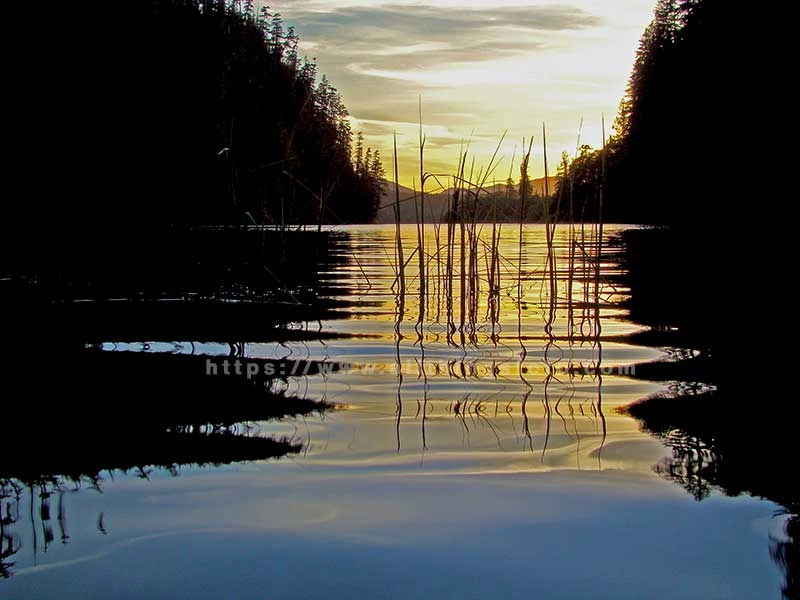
[476, 449]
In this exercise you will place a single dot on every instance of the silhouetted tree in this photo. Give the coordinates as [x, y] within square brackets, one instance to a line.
[167, 114]
[669, 159]
[578, 185]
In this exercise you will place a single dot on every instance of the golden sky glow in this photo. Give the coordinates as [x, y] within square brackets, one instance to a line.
[481, 68]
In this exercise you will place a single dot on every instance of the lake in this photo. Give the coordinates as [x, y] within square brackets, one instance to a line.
[475, 439]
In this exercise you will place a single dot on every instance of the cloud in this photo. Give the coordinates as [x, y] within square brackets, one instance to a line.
[481, 68]
[429, 20]
[393, 52]
[388, 37]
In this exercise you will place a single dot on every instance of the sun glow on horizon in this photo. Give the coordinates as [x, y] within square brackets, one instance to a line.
[481, 69]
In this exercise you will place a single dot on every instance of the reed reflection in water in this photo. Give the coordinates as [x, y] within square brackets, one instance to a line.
[515, 347]
[484, 390]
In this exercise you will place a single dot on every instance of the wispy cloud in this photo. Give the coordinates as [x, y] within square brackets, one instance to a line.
[481, 67]
[381, 38]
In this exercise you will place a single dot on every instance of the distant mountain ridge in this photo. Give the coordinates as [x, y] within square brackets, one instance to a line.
[436, 204]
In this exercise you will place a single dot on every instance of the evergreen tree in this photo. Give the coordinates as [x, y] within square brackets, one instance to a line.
[664, 159]
[359, 156]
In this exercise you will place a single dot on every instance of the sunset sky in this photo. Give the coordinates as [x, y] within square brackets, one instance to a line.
[480, 67]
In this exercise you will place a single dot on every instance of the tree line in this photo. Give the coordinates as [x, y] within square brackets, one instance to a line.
[668, 160]
[164, 114]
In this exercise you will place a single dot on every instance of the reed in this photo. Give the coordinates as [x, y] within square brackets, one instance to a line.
[461, 272]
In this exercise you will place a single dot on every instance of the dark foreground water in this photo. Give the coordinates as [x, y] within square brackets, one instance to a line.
[400, 446]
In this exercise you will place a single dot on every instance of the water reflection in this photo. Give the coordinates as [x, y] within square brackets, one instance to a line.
[107, 403]
[175, 415]
[528, 320]
[43, 479]
[44, 529]
[714, 447]
[518, 312]
[485, 350]
[10, 495]
[716, 419]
